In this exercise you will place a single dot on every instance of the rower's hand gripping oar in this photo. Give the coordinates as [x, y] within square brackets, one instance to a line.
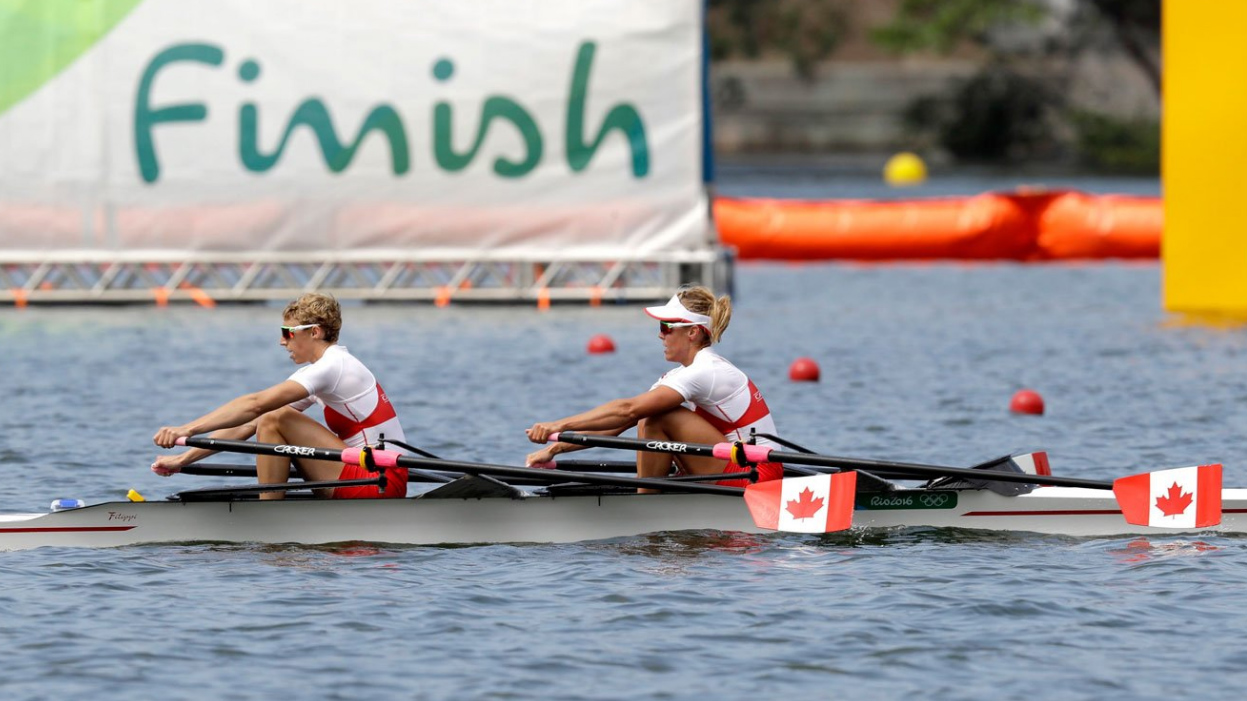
[1184, 497]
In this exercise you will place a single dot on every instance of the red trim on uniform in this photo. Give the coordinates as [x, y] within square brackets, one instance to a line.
[757, 410]
[344, 426]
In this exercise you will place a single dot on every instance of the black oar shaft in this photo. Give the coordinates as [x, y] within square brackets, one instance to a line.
[471, 468]
[285, 451]
[936, 471]
[278, 487]
[915, 469]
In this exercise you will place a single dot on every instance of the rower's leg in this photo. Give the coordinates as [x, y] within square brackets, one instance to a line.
[682, 425]
[285, 425]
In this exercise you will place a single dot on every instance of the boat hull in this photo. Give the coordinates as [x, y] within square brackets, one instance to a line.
[546, 519]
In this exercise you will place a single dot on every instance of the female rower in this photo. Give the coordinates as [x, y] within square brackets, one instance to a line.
[704, 400]
[356, 410]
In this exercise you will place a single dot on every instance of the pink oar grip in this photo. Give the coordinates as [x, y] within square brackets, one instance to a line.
[386, 458]
[180, 441]
[753, 453]
[383, 458]
[548, 465]
[553, 438]
[758, 453]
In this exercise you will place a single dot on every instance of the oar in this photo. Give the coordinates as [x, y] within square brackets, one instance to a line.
[1162, 498]
[218, 470]
[211, 492]
[589, 465]
[818, 504]
[389, 458]
[224, 470]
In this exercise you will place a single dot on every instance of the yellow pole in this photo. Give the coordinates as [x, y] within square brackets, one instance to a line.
[1204, 157]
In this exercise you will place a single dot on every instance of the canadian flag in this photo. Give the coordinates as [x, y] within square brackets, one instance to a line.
[1184, 497]
[817, 504]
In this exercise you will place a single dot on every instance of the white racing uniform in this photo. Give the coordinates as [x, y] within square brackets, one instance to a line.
[719, 392]
[356, 408]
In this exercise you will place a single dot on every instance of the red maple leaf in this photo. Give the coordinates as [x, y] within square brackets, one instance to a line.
[804, 506]
[1174, 503]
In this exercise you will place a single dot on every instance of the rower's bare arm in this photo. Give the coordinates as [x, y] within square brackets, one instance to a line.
[546, 454]
[234, 413]
[617, 415]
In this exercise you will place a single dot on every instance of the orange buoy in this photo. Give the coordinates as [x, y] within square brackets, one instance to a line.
[803, 370]
[1026, 401]
[601, 343]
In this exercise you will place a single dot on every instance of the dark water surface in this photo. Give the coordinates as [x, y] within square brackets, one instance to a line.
[918, 362]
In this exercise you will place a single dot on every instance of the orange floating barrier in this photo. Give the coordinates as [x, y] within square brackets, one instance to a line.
[1024, 226]
[1076, 225]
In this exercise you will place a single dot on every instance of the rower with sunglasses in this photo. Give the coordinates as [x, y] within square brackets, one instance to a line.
[356, 408]
[705, 399]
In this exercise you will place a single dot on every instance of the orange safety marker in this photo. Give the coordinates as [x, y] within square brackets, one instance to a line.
[543, 299]
[201, 298]
[162, 296]
[443, 296]
[595, 296]
[19, 297]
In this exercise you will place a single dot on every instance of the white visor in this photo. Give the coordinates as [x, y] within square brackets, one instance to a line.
[674, 311]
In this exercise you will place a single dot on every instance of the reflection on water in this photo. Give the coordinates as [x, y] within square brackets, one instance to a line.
[1145, 549]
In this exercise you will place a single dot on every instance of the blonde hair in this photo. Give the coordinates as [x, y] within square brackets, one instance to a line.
[701, 300]
[317, 308]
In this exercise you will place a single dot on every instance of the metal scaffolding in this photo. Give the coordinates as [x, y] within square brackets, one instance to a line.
[80, 277]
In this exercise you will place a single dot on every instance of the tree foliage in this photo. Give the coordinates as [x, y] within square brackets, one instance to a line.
[805, 31]
[942, 25]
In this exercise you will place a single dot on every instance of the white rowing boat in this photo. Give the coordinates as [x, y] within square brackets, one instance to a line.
[471, 503]
[528, 517]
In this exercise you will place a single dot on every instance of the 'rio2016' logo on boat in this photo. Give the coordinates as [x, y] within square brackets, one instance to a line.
[665, 447]
[295, 450]
[908, 499]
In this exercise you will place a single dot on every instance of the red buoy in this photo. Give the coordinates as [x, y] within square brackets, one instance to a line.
[803, 370]
[1026, 401]
[601, 343]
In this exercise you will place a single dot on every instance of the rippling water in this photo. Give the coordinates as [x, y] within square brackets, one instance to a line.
[919, 363]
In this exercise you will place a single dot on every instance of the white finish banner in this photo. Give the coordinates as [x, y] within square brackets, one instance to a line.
[322, 125]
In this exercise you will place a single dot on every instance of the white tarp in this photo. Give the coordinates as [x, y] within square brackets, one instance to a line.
[299, 125]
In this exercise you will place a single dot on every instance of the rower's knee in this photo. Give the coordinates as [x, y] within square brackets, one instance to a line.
[272, 422]
[652, 427]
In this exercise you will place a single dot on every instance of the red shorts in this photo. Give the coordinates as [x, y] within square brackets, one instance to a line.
[767, 471]
[395, 483]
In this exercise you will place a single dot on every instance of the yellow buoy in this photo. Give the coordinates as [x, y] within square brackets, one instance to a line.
[905, 169]
[134, 496]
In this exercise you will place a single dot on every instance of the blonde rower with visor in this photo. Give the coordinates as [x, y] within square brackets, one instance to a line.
[705, 399]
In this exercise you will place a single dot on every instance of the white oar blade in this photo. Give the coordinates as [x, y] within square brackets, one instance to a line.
[1183, 497]
[816, 504]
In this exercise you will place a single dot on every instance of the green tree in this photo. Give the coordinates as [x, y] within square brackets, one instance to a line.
[1008, 111]
[804, 31]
